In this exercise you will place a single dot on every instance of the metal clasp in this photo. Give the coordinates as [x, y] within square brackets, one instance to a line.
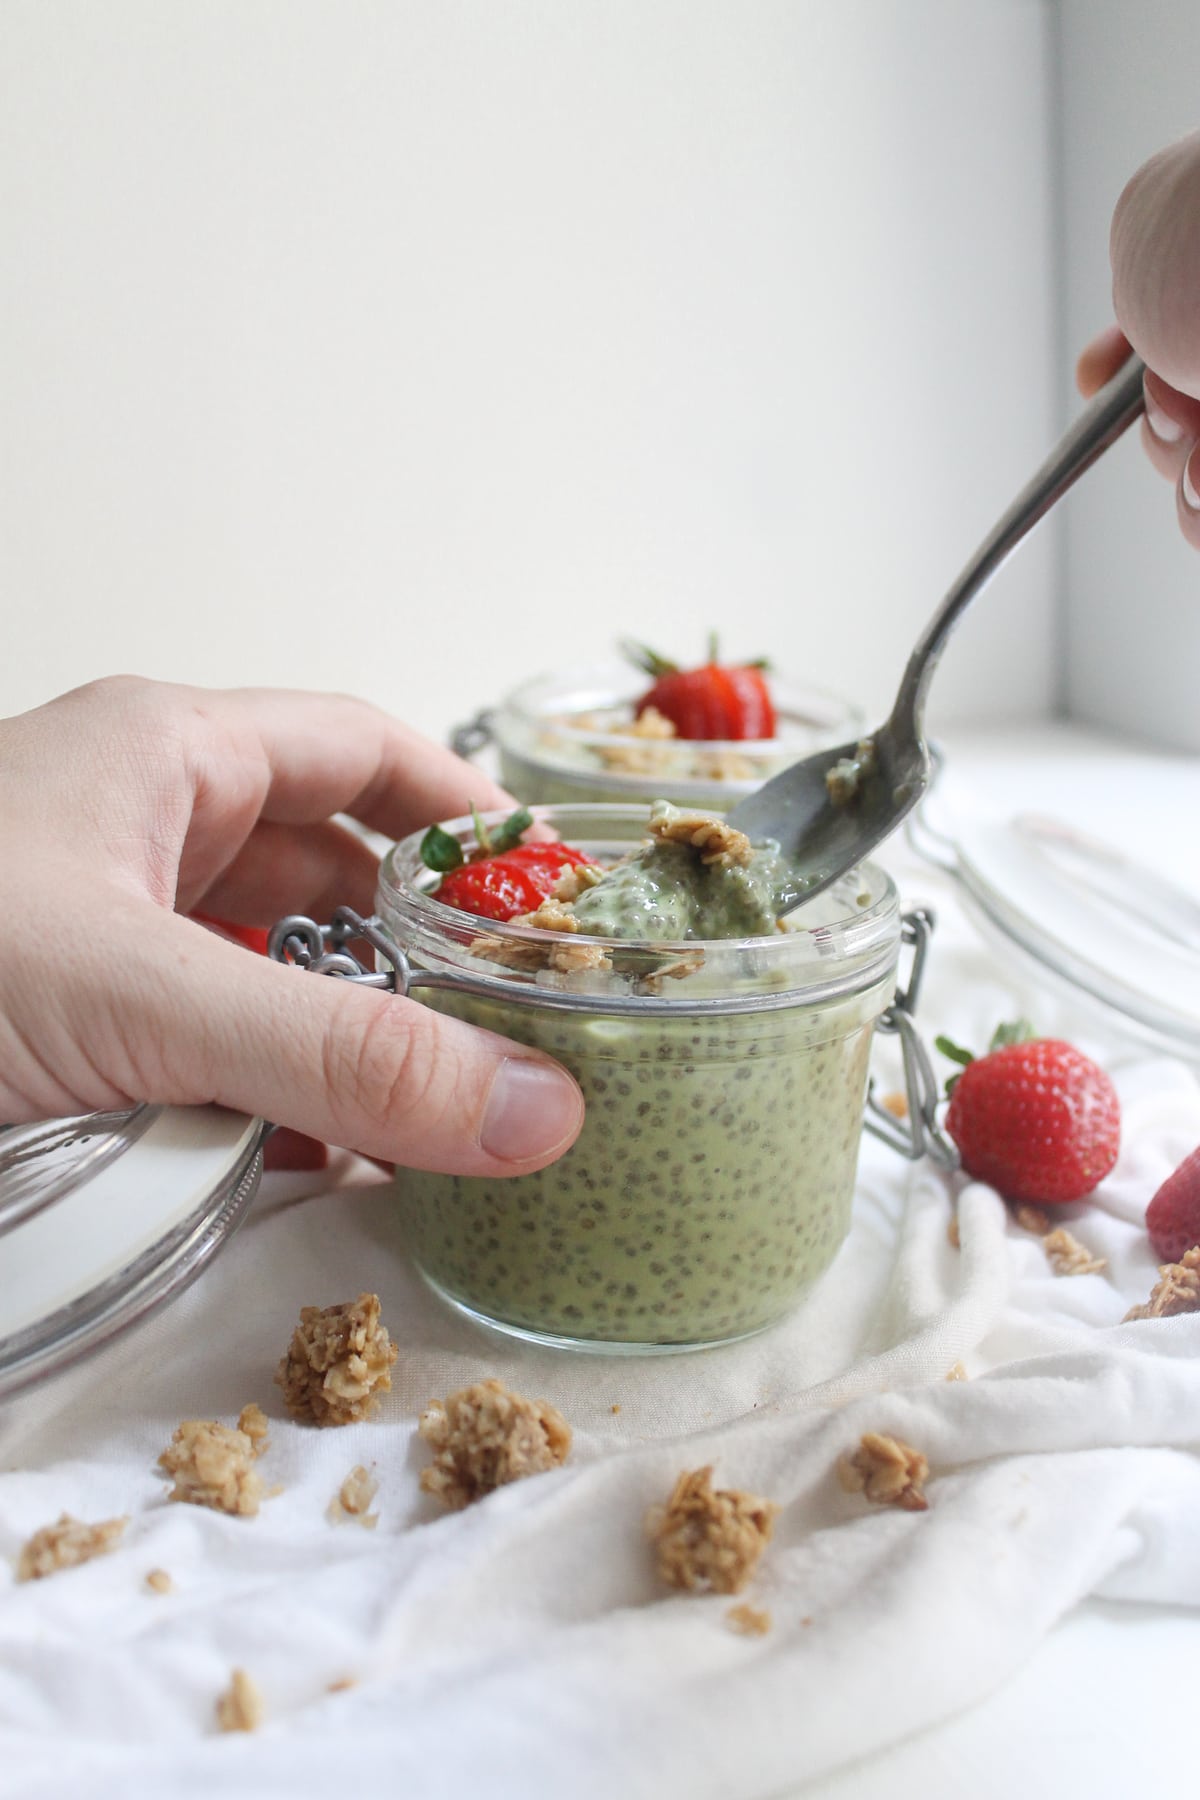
[921, 1134]
[322, 949]
[469, 739]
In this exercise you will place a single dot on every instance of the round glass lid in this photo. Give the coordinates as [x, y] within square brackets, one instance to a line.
[1091, 914]
[104, 1217]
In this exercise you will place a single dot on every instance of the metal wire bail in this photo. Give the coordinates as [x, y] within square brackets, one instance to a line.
[922, 1134]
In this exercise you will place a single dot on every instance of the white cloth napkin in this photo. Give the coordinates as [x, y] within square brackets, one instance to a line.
[524, 1647]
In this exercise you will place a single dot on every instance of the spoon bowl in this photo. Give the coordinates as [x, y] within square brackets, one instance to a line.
[831, 810]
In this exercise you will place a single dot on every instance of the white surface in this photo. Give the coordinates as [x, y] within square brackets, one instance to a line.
[71, 1248]
[411, 349]
[1128, 86]
[525, 1643]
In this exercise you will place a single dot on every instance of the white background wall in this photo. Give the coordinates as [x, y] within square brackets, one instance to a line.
[410, 349]
[1130, 84]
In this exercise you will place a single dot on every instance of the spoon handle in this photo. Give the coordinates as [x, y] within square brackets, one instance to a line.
[1102, 421]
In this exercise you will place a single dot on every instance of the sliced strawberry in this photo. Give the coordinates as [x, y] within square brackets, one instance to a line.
[502, 885]
[717, 701]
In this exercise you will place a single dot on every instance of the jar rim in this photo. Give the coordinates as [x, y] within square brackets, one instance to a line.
[849, 939]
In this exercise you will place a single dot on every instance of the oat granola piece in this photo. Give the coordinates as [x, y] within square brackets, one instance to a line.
[706, 1537]
[159, 1582]
[1032, 1218]
[484, 1437]
[213, 1465]
[575, 879]
[957, 1373]
[651, 730]
[338, 1362]
[953, 1237]
[353, 1499]
[722, 765]
[896, 1104]
[748, 1621]
[649, 723]
[66, 1544]
[714, 840]
[240, 1707]
[252, 1420]
[1067, 1256]
[1176, 1291]
[886, 1470]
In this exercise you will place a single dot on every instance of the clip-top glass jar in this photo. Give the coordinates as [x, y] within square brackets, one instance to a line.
[725, 1085]
[570, 736]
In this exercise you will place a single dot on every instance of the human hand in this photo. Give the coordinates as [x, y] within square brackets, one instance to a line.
[1155, 252]
[125, 805]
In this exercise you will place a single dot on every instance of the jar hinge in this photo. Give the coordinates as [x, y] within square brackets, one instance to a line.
[323, 949]
[469, 739]
[921, 1134]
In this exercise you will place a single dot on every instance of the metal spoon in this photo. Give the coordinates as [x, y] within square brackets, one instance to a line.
[883, 777]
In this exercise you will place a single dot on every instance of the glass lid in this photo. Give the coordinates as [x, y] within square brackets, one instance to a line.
[105, 1217]
[1088, 913]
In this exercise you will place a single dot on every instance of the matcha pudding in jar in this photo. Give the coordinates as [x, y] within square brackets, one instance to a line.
[722, 1053]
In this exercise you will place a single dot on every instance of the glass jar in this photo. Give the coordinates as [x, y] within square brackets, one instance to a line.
[724, 1083]
[567, 736]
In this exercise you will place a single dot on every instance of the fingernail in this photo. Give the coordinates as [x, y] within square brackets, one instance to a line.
[1164, 428]
[531, 1109]
[1191, 499]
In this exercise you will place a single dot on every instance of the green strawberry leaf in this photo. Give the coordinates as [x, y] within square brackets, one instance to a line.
[483, 837]
[1019, 1032]
[954, 1051]
[509, 833]
[645, 659]
[440, 850]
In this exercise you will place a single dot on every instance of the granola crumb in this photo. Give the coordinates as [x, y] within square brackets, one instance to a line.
[709, 1538]
[952, 1233]
[159, 1582]
[896, 1104]
[342, 1684]
[615, 1407]
[353, 1499]
[252, 1420]
[715, 841]
[1032, 1218]
[650, 723]
[676, 970]
[1176, 1291]
[575, 880]
[748, 1621]
[724, 765]
[886, 1470]
[957, 1373]
[240, 1707]
[66, 1544]
[213, 1465]
[484, 1437]
[1067, 1256]
[337, 1363]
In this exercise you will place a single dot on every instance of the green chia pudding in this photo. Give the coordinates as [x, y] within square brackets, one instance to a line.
[723, 1062]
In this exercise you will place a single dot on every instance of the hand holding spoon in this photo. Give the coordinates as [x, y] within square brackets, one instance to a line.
[830, 811]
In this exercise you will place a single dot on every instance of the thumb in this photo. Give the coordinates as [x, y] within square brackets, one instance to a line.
[200, 1019]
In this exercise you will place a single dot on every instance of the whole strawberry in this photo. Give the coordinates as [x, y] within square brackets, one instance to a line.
[1173, 1216]
[1035, 1118]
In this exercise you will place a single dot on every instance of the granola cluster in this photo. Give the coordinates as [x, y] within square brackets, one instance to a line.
[213, 1464]
[338, 1362]
[706, 1537]
[886, 1470]
[1177, 1289]
[66, 1544]
[714, 840]
[748, 1621]
[240, 1707]
[845, 781]
[652, 729]
[1067, 1256]
[484, 1437]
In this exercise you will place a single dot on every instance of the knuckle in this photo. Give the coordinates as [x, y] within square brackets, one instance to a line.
[387, 1066]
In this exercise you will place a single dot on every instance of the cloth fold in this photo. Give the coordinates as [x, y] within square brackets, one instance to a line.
[524, 1646]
